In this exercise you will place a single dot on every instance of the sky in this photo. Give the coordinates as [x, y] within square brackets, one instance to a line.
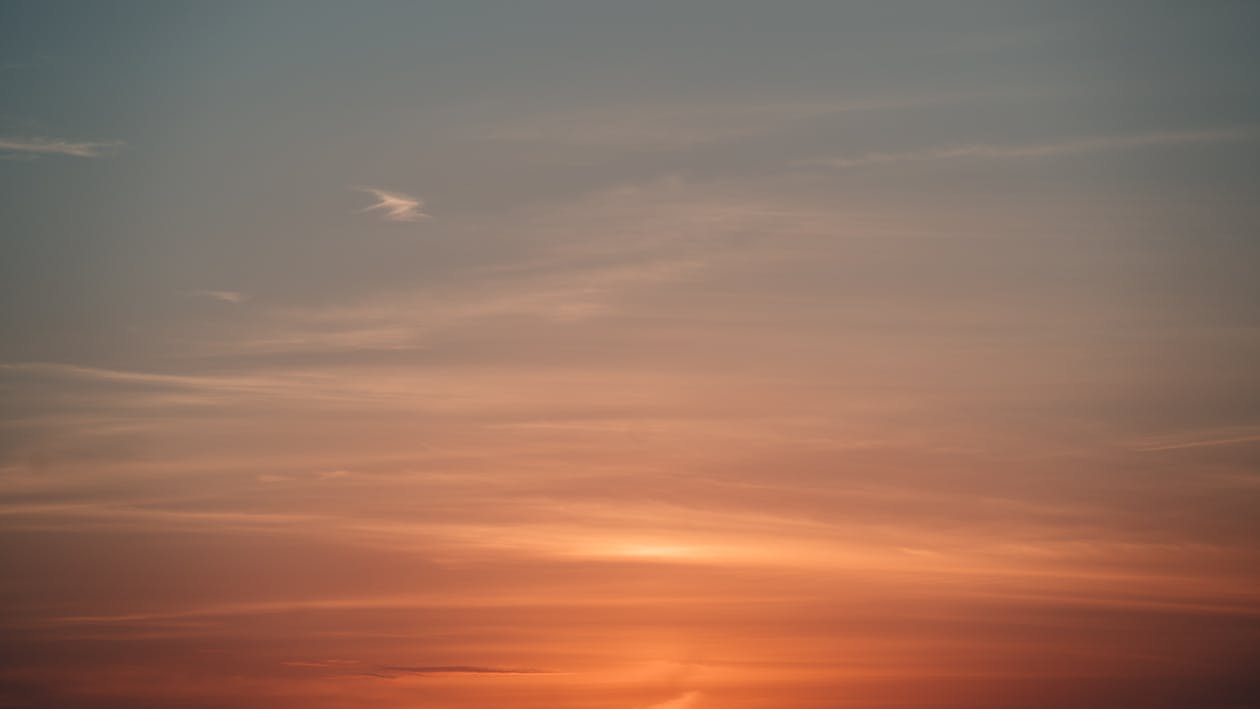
[629, 355]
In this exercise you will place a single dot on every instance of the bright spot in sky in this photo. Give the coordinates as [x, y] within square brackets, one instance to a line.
[659, 551]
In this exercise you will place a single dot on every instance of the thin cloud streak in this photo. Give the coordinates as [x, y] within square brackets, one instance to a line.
[36, 147]
[684, 701]
[395, 206]
[1034, 150]
[651, 235]
[1226, 437]
[223, 296]
[675, 125]
[463, 670]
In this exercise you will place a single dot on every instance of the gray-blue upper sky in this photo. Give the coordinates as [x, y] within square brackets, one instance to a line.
[242, 123]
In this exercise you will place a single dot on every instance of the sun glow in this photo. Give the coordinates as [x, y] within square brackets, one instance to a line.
[659, 551]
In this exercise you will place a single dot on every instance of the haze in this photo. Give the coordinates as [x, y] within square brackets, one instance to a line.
[629, 355]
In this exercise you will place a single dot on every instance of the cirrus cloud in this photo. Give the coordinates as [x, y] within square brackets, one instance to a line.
[687, 700]
[37, 147]
[395, 206]
[1034, 150]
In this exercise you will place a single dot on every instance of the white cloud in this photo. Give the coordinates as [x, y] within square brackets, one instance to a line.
[35, 147]
[395, 206]
[1034, 150]
[682, 701]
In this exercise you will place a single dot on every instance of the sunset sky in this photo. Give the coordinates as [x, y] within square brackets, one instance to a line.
[629, 354]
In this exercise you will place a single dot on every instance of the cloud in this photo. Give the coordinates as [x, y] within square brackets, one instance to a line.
[70, 371]
[223, 296]
[395, 206]
[573, 262]
[319, 663]
[1033, 150]
[463, 670]
[675, 125]
[682, 701]
[35, 147]
[1222, 437]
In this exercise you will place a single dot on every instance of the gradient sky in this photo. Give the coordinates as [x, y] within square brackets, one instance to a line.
[629, 355]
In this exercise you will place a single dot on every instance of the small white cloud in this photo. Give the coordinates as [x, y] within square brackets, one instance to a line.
[223, 296]
[35, 147]
[682, 701]
[395, 206]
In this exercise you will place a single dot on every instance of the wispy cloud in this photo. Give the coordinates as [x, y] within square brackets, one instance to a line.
[680, 124]
[395, 206]
[1223, 437]
[463, 670]
[319, 663]
[223, 296]
[1074, 146]
[36, 147]
[683, 701]
[649, 237]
